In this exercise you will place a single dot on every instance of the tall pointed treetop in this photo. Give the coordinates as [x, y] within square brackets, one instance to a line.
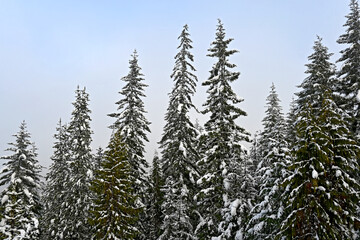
[179, 155]
[349, 74]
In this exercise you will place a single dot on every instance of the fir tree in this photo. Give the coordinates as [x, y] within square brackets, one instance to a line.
[20, 200]
[224, 154]
[320, 76]
[114, 213]
[255, 161]
[274, 154]
[156, 199]
[77, 198]
[55, 188]
[133, 125]
[321, 192]
[98, 158]
[179, 155]
[290, 124]
[349, 73]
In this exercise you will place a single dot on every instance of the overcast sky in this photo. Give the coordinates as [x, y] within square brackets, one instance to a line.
[48, 48]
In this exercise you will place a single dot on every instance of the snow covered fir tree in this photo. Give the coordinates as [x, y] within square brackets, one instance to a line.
[20, 199]
[77, 197]
[271, 171]
[223, 163]
[131, 121]
[322, 193]
[55, 189]
[156, 196]
[349, 73]
[300, 179]
[179, 155]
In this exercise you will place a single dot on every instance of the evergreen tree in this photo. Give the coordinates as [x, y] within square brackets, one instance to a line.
[274, 154]
[224, 156]
[156, 199]
[55, 188]
[78, 197]
[133, 125]
[349, 73]
[179, 155]
[255, 161]
[98, 158]
[254, 152]
[20, 200]
[321, 75]
[290, 124]
[321, 192]
[114, 213]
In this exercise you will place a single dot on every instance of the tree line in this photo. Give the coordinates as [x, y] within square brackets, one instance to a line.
[299, 180]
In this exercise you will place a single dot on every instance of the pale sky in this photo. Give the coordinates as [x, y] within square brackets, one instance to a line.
[48, 48]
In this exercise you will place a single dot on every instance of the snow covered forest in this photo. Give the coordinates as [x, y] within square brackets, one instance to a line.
[300, 178]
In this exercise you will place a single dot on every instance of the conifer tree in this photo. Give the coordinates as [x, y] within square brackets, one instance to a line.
[98, 158]
[349, 74]
[321, 192]
[114, 213]
[156, 199]
[290, 124]
[224, 156]
[131, 119]
[255, 160]
[20, 200]
[134, 126]
[78, 197]
[254, 152]
[267, 213]
[179, 155]
[55, 188]
[321, 75]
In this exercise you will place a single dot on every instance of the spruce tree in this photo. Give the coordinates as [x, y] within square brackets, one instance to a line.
[98, 158]
[55, 188]
[134, 126]
[20, 200]
[320, 77]
[179, 155]
[255, 161]
[290, 124]
[321, 193]
[267, 213]
[78, 197]
[349, 74]
[114, 212]
[156, 199]
[224, 156]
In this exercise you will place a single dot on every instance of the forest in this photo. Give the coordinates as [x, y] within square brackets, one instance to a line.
[300, 178]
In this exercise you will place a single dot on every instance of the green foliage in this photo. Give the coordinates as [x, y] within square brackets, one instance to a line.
[156, 198]
[114, 213]
[321, 191]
